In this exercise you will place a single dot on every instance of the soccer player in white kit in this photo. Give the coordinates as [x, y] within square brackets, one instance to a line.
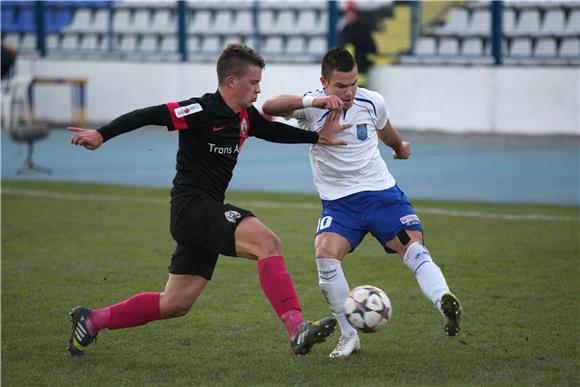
[358, 193]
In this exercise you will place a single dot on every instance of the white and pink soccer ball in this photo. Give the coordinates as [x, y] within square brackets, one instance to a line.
[368, 309]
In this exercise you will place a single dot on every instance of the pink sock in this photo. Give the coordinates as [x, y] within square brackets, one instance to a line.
[98, 320]
[279, 289]
[137, 310]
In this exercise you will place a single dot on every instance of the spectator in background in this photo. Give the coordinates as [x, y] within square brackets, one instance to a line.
[356, 37]
[9, 55]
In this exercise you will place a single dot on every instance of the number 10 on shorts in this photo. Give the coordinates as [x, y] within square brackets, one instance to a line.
[323, 223]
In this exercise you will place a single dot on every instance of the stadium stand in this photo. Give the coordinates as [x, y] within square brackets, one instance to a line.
[456, 32]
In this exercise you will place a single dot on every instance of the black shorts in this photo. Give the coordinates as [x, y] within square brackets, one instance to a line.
[203, 228]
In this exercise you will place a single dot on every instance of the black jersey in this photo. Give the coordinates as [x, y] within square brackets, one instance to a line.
[211, 136]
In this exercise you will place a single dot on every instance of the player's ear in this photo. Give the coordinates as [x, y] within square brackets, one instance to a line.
[323, 82]
[231, 81]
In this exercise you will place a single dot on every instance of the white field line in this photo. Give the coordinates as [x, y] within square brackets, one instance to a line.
[268, 204]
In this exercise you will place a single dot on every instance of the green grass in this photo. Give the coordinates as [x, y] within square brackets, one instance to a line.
[518, 281]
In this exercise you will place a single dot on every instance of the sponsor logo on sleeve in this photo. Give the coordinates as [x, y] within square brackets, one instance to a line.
[183, 111]
[410, 220]
[232, 216]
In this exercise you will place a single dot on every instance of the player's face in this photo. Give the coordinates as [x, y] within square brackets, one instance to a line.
[343, 85]
[247, 87]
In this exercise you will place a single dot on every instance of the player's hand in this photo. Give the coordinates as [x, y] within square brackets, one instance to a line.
[403, 152]
[327, 135]
[330, 102]
[89, 138]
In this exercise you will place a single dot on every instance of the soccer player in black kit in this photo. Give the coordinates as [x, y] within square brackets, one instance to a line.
[212, 130]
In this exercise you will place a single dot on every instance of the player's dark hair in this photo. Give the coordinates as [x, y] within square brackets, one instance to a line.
[337, 59]
[234, 60]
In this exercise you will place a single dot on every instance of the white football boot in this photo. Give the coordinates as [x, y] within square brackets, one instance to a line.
[346, 345]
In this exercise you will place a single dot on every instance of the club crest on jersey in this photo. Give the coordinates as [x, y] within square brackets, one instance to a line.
[232, 216]
[183, 111]
[361, 132]
[244, 127]
[410, 220]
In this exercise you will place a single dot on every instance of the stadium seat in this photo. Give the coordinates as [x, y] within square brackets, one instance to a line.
[456, 23]
[28, 42]
[52, 42]
[12, 40]
[210, 44]
[169, 43]
[92, 42]
[141, 21]
[295, 45]
[243, 23]
[528, 24]
[317, 45]
[570, 47]
[230, 39]
[128, 43]
[573, 25]
[121, 21]
[162, 22]
[201, 22]
[521, 47]
[448, 46]
[149, 44]
[554, 23]
[426, 46]
[193, 42]
[545, 47]
[69, 42]
[480, 24]
[308, 21]
[273, 45]
[473, 47]
[285, 22]
[509, 22]
[223, 22]
[266, 21]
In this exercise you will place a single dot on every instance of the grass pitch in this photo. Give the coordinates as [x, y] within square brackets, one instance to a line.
[65, 245]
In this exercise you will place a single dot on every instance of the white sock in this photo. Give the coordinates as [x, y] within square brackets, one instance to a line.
[428, 274]
[335, 289]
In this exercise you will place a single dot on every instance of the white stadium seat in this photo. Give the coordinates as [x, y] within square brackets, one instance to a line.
[521, 47]
[426, 46]
[480, 24]
[573, 25]
[545, 47]
[162, 22]
[201, 22]
[456, 23]
[570, 47]
[273, 45]
[295, 45]
[448, 46]
[472, 47]
[529, 23]
[554, 23]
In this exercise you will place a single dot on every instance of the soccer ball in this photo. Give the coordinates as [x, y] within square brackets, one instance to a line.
[368, 309]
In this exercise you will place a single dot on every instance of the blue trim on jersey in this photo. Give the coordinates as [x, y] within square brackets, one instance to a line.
[369, 101]
[324, 115]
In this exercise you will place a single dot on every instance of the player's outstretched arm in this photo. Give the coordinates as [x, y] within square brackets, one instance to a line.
[285, 105]
[89, 138]
[391, 137]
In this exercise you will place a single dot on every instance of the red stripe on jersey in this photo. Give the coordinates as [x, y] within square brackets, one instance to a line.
[244, 126]
[179, 123]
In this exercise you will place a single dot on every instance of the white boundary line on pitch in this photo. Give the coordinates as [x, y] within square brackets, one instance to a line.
[267, 204]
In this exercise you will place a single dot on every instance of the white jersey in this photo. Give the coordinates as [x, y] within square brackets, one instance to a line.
[342, 170]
